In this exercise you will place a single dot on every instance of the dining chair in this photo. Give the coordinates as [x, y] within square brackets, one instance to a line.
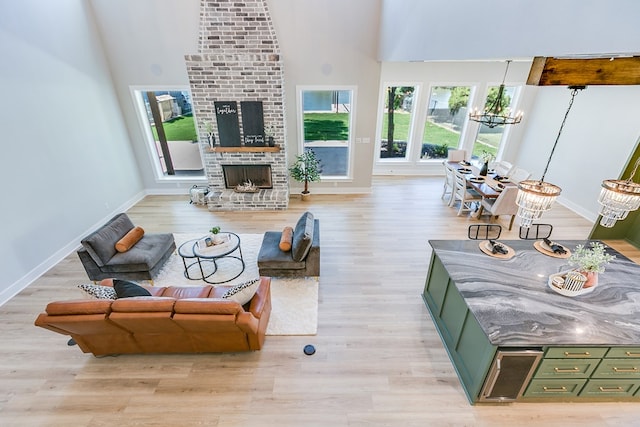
[536, 231]
[484, 231]
[449, 184]
[456, 155]
[518, 174]
[504, 204]
[503, 168]
[467, 196]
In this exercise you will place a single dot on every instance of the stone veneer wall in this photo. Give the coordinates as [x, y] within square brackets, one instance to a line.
[239, 60]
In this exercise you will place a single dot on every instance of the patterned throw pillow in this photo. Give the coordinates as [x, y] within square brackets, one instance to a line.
[243, 292]
[97, 291]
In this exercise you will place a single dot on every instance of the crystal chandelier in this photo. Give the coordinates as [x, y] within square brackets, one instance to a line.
[536, 197]
[618, 198]
[493, 115]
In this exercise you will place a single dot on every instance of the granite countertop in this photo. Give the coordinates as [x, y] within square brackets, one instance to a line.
[514, 305]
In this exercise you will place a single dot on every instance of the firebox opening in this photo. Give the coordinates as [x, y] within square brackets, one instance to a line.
[258, 175]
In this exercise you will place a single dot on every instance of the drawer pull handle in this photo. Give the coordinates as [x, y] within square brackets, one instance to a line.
[585, 354]
[554, 389]
[611, 390]
[560, 370]
[625, 369]
[630, 354]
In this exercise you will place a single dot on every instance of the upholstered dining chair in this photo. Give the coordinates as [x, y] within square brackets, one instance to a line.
[504, 204]
[536, 232]
[503, 168]
[518, 174]
[467, 196]
[456, 155]
[484, 231]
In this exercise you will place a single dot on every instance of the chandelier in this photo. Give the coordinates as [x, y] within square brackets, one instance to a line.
[618, 198]
[493, 115]
[536, 197]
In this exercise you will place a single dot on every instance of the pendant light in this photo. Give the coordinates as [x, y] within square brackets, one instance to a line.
[493, 114]
[618, 198]
[536, 197]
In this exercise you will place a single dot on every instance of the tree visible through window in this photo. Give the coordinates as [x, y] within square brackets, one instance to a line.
[397, 121]
[446, 116]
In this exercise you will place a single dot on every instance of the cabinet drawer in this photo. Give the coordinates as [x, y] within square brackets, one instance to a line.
[575, 352]
[618, 368]
[615, 387]
[554, 387]
[566, 368]
[624, 353]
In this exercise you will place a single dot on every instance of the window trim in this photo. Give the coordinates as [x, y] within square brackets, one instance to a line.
[300, 89]
[136, 92]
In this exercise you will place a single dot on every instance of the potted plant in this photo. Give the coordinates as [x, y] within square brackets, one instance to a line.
[208, 126]
[590, 261]
[306, 168]
[269, 131]
[486, 158]
[214, 234]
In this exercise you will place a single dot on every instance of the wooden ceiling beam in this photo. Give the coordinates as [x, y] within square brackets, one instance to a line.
[546, 71]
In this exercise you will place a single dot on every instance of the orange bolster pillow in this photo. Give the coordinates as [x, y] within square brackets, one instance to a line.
[128, 240]
[286, 239]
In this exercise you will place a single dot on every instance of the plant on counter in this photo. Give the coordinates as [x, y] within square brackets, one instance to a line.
[590, 260]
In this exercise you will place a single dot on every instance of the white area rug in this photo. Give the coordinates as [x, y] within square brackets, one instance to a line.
[294, 300]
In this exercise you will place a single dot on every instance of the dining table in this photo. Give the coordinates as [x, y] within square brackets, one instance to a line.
[489, 186]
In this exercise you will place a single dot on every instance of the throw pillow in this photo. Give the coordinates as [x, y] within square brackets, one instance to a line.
[98, 291]
[286, 239]
[126, 289]
[302, 237]
[132, 237]
[243, 292]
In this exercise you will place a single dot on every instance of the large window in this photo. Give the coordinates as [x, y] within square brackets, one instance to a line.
[326, 118]
[169, 126]
[446, 116]
[397, 121]
[489, 140]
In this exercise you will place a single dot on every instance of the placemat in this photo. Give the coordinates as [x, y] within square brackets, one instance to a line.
[485, 247]
[542, 247]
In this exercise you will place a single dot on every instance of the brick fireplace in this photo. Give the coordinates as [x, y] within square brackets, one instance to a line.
[239, 60]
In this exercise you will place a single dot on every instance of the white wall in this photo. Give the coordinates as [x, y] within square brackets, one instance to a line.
[145, 42]
[332, 42]
[598, 138]
[416, 30]
[66, 157]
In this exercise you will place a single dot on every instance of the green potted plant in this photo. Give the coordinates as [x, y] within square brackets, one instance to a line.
[214, 234]
[306, 168]
[590, 261]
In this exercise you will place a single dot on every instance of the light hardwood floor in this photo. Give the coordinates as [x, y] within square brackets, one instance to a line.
[379, 360]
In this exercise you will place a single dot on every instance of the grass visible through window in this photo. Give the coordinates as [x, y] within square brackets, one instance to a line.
[179, 128]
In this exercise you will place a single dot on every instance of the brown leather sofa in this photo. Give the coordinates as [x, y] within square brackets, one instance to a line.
[172, 320]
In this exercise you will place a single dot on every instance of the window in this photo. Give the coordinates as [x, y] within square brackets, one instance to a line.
[397, 121]
[326, 118]
[169, 126]
[489, 139]
[446, 116]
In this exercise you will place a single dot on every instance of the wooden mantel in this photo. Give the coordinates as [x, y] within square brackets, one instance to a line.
[547, 71]
[275, 149]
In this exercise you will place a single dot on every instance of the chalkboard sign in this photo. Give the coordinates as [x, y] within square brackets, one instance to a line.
[252, 123]
[228, 126]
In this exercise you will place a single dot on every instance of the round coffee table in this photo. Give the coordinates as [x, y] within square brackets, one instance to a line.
[185, 251]
[229, 249]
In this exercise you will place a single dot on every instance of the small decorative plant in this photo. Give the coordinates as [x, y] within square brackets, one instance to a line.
[306, 168]
[486, 156]
[214, 230]
[590, 259]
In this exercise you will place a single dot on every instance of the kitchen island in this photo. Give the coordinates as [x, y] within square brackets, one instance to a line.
[511, 337]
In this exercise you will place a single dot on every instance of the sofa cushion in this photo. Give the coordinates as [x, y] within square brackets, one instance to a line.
[302, 237]
[142, 257]
[271, 257]
[101, 244]
[243, 292]
[98, 291]
[180, 292]
[126, 289]
[132, 237]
